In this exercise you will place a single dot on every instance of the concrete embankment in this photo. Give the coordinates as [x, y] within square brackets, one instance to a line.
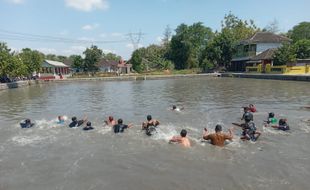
[268, 76]
[18, 84]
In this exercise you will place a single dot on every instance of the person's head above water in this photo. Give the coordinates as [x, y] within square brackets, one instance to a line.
[88, 124]
[74, 119]
[248, 117]
[271, 115]
[183, 133]
[282, 122]
[120, 121]
[111, 118]
[174, 107]
[218, 128]
[27, 121]
[149, 117]
[61, 118]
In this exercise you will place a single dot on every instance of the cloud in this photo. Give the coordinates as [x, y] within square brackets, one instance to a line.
[87, 5]
[90, 26]
[47, 50]
[103, 35]
[86, 39]
[75, 50]
[16, 1]
[115, 34]
[131, 46]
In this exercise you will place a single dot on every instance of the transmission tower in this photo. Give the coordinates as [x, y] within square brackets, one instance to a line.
[135, 39]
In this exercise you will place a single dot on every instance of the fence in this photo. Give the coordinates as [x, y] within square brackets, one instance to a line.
[294, 70]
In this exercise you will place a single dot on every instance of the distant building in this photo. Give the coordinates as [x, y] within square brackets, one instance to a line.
[120, 67]
[257, 49]
[54, 68]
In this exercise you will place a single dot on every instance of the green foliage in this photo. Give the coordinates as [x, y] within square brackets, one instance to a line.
[187, 45]
[136, 60]
[302, 49]
[112, 57]
[32, 59]
[92, 58]
[150, 58]
[285, 54]
[5, 58]
[10, 64]
[77, 62]
[300, 32]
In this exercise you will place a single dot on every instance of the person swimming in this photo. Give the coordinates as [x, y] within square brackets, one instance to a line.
[249, 129]
[271, 119]
[218, 138]
[182, 139]
[26, 124]
[283, 126]
[246, 110]
[110, 121]
[120, 127]
[175, 108]
[150, 126]
[77, 123]
[88, 126]
[61, 120]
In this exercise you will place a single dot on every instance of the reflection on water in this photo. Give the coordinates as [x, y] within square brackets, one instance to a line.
[49, 156]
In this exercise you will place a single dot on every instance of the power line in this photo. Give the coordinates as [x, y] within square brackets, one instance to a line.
[10, 35]
[135, 39]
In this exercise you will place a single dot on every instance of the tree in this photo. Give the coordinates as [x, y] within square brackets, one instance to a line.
[239, 29]
[221, 48]
[112, 57]
[300, 32]
[302, 49]
[167, 36]
[10, 65]
[136, 60]
[92, 58]
[32, 59]
[285, 54]
[187, 45]
[77, 62]
[5, 59]
[272, 27]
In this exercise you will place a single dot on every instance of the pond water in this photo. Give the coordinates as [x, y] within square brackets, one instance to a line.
[54, 157]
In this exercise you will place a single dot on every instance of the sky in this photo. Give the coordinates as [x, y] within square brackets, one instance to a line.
[66, 27]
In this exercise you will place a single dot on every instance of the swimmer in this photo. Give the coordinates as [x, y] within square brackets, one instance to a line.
[175, 108]
[110, 122]
[26, 124]
[77, 123]
[283, 126]
[88, 127]
[120, 127]
[218, 138]
[249, 129]
[271, 120]
[245, 110]
[61, 120]
[150, 125]
[182, 139]
[251, 108]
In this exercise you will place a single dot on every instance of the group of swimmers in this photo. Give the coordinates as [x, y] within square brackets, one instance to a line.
[249, 130]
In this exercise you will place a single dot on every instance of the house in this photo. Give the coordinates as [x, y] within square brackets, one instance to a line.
[259, 48]
[53, 68]
[120, 67]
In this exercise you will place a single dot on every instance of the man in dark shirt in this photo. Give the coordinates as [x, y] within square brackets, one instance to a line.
[26, 124]
[120, 127]
[77, 123]
[88, 126]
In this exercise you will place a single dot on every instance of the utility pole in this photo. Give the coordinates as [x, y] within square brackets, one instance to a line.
[135, 39]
